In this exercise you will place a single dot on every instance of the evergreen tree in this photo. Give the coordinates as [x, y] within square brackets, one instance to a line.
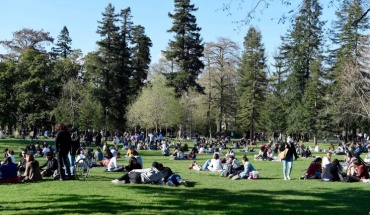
[352, 41]
[186, 50]
[63, 45]
[274, 111]
[302, 49]
[140, 58]
[252, 81]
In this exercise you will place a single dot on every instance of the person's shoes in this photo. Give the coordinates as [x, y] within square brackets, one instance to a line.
[116, 181]
[285, 179]
[182, 182]
[236, 177]
[302, 178]
[230, 176]
[288, 177]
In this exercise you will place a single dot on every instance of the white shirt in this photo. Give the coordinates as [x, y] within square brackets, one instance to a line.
[112, 164]
[215, 165]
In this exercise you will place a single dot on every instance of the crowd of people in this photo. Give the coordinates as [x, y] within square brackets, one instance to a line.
[60, 160]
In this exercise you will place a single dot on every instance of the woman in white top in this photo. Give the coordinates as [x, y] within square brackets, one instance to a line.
[326, 160]
[215, 165]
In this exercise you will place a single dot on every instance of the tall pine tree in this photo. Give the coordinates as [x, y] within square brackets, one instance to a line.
[302, 49]
[352, 41]
[252, 82]
[63, 45]
[186, 50]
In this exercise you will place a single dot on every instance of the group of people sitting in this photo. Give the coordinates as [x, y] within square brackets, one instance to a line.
[352, 170]
[232, 168]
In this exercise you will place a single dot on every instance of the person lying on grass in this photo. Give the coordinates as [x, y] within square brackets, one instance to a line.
[170, 178]
[150, 175]
[8, 171]
[246, 173]
[314, 171]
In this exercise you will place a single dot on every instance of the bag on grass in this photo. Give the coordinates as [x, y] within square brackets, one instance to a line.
[282, 155]
[135, 177]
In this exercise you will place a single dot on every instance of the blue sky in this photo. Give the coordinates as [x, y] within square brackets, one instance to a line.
[81, 16]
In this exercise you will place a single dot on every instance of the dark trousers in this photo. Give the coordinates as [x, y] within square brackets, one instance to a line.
[62, 161]
[125, 178]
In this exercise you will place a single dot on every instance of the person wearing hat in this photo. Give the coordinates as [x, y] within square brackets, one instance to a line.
[149, 175]
[51, 165]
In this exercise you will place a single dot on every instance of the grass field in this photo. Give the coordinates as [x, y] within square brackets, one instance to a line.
[207, 193]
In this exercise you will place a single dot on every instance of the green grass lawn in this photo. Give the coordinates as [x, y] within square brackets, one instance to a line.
[207, 193]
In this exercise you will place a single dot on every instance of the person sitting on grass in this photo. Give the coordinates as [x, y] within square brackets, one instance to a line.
[213, 165]
[133, 164]
[98, 155]
[191, 155]
[248, 168]
[331, 171]
[170, 178]
[358, 170]
[108, 155]
[32, 172]
[306, 153]
[180, 154]
[231, 168]
[22, 162]
[130, 152]
[314, 171]
[150, 175]
[202, 150]
[112, 165]
[262, 154]
[8, 171]
[326, 160]
[51, 165]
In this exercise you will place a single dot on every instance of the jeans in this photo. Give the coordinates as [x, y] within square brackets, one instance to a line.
[205, 165]
[71, 159]
[287, 162]
[174, 178]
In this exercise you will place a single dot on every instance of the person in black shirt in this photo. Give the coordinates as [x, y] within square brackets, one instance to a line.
[63, 146]
[51, 165]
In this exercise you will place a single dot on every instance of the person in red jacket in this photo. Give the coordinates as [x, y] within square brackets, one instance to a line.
[314, 170]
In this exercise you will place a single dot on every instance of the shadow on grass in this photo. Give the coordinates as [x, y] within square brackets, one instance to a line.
[167, 200]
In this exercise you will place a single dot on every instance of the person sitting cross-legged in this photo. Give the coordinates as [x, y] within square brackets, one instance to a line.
[248, 168]
[51, 165]
[150, 175]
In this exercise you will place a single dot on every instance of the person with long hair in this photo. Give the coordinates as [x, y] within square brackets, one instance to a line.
[288, 160]
[32, 172]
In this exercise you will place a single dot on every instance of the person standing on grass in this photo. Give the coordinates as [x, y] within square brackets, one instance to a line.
[63, 146]
[288, 160]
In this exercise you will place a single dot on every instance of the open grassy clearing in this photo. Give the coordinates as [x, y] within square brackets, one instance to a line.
[208, 193]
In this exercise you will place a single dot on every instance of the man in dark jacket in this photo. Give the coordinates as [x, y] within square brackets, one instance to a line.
[63, 146]
[51, 165]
